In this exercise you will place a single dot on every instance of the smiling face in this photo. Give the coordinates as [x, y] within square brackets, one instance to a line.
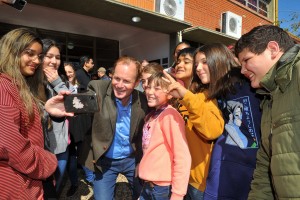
[52, 58]
[30, 59]
[70, 73]
[255, 66]
[202, 68]
[184, 69]
[156, 95]
[124, 81]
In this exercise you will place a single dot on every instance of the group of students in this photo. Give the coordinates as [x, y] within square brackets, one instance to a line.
[27, 151]
[208, 91]
[197, 133]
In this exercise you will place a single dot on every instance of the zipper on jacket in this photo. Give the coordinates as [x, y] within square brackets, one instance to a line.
[271, 127]
[270, 144]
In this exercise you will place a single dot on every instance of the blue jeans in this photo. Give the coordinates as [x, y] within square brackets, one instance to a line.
[89, 174]
[104, 184]
[155, 192]
[193, 194]
[62, 160]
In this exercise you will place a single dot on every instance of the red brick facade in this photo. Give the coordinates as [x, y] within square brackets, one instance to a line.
[145, 4]
[207, 13]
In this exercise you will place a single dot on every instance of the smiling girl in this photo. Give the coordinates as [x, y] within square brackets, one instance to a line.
[233, 157]
[23, 161]
[57, 129]
[203, 119]
[166, 160]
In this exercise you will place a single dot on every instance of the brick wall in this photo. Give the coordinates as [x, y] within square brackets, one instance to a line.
[207, 13]
[145, 4]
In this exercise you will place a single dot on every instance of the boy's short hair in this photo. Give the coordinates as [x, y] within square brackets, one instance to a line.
[258, 38]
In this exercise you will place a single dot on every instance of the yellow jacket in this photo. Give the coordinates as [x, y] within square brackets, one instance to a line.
[203, 124]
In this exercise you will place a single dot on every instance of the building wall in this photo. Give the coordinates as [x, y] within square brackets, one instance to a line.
[208, 13]
[156, 46]
[75, 28]
[145, 4]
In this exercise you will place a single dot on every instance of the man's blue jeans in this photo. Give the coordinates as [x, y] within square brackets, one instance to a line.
[62, 160]
[155, 192]
[193, 193]
[89, 174]
[104, 184]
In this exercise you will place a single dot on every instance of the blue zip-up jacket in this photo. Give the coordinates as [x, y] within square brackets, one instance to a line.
[234, 155]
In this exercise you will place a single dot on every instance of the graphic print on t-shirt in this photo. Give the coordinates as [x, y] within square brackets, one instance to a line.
[240, 125]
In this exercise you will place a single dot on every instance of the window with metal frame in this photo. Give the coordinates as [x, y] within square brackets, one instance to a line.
[259, 6]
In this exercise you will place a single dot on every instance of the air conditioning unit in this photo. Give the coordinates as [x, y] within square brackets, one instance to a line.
[232, 24]
[171, 8]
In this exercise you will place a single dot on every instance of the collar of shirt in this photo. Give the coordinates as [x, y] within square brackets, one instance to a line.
[121, 145]
[120, 105]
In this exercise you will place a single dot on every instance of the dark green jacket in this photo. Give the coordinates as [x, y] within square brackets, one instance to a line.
[277, 174]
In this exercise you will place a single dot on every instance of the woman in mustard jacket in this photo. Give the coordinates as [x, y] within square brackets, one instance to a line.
[203, 119]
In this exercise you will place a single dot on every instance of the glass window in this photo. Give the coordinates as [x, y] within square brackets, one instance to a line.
[259, 6]
[263, 8]
[73, 46]
[242, 1]
[252, 4]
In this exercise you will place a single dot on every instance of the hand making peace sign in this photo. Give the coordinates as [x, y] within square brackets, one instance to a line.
[175, 88]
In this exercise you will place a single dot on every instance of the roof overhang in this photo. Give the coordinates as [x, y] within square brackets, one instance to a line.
[118, 12]
[206, 36]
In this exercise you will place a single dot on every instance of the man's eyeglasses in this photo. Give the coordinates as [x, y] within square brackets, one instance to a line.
[32, 54]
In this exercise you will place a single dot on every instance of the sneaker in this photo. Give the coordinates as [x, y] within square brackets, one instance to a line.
[72, 190]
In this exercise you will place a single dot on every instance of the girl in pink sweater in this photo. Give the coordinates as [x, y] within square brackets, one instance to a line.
[165, 166]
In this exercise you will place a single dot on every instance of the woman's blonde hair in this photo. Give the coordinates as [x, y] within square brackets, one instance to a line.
[12, 45]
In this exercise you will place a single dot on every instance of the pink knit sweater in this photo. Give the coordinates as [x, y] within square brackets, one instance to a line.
[166, 159]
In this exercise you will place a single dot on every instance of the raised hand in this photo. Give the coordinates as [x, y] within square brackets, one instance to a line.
[175, 88]
[55, 105]
[51, 74]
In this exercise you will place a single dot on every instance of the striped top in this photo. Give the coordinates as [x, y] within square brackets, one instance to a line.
[23, 161]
